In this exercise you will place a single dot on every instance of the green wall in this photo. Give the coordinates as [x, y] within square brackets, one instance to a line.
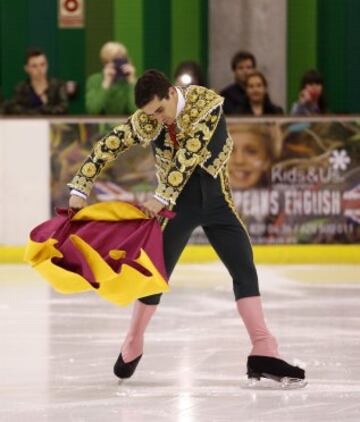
[157, 35]
[14, 31]
[325, 34]
[302, 42]
[352, 35]
[331, 52]
[153, 31]
[129, 29]
[99, 29]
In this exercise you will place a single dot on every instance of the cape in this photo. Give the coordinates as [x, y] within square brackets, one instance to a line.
[110, 248]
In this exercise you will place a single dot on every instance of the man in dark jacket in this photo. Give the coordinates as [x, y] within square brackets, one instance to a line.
[38, 94]
[242, 64]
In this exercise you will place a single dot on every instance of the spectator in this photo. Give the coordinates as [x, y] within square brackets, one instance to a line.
[112, 90]
[242, 64]
[189, 73]
[38, 94]
[257, 100]
[311, 97]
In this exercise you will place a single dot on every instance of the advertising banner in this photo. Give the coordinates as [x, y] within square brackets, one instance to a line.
[292, 181]
[297, 182]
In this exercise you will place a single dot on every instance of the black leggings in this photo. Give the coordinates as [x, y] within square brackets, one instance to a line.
[206, 202]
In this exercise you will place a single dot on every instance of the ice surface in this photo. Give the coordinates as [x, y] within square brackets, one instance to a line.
[57, 351]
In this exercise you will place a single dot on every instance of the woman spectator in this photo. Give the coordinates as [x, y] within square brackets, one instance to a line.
[112, 90]
[257, 101]
[311, 97]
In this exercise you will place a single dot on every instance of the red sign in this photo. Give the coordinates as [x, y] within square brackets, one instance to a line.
[71, 13]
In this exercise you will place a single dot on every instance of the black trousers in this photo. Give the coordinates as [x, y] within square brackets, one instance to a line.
[205, 202]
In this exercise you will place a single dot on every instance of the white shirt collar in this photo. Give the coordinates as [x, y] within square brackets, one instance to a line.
[180, 103]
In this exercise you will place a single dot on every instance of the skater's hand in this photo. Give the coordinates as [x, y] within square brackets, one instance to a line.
[152, 207]
[76, 202]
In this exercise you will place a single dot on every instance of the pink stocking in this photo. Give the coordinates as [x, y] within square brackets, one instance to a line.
[134, 341]
[250, 310]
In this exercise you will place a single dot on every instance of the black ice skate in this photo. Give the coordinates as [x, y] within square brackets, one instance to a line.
[125, 369]
[287, 375]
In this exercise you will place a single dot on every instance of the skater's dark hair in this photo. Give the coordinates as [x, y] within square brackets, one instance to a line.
[240, 56]
[151, 84]
[33, 52]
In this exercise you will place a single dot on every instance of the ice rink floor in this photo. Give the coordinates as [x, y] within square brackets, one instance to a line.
[57, 352]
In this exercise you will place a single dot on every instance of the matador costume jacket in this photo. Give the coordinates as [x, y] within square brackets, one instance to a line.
[202, 137]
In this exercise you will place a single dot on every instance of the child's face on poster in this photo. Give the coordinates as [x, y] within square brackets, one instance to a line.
[249, 160]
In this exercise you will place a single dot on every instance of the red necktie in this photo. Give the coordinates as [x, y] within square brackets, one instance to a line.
[172, 132]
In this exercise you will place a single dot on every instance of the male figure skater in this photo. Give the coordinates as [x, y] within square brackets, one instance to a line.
[188, 134]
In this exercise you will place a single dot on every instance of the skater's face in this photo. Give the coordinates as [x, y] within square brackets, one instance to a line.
[249, 160]
[164, 110]
[242, 69]
[37, 67]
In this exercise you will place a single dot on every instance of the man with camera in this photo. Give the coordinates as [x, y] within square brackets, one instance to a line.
[111, 92]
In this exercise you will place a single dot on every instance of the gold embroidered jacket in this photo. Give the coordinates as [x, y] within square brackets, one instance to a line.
[202, 137]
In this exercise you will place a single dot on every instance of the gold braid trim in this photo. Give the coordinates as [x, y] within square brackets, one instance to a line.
[146, 128]
[199, 101]
[226, 190]
[106, 149]
[220, 161]
[192, 152]
[175, 181]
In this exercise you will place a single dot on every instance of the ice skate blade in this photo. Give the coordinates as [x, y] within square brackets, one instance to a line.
[269, 382]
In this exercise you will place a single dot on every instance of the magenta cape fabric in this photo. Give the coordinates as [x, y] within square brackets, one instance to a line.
[131, 234]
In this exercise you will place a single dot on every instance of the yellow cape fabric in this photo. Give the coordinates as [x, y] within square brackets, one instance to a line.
[109, 211]
[118, 288]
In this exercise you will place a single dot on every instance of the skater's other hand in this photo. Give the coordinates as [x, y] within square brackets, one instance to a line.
[152, 207]
[76, 202]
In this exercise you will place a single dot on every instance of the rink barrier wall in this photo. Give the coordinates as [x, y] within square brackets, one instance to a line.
[25, 193]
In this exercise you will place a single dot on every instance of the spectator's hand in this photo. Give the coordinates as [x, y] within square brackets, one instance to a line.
[44, 98]
[305, 96]
[129, 71]
[152, 207]
[76, 203]
[109, 72]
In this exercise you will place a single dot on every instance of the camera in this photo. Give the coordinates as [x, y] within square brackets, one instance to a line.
[120, 74]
